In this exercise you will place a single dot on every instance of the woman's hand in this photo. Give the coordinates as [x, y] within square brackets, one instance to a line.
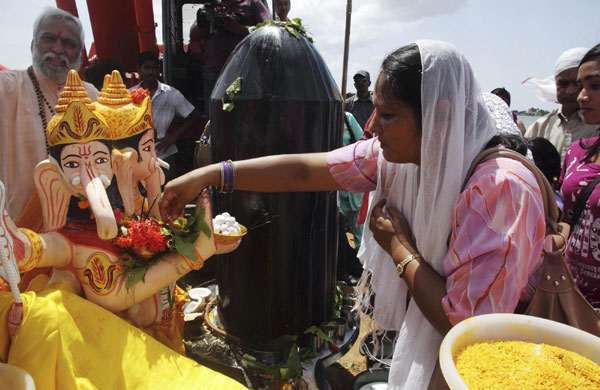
[179, 192]
[391, 231]
[426, 286]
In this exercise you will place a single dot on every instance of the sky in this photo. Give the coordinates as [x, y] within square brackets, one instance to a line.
[505, 41]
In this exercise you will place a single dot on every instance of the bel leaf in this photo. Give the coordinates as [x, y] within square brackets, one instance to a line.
[184, 247]
[134, 276]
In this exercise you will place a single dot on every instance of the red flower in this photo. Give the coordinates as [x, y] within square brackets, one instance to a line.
[139, 94]
[119, 216]
[143, 237]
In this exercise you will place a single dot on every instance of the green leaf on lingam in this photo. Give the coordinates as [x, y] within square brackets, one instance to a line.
[233, 89]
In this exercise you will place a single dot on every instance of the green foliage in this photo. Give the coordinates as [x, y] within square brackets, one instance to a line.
[294, 27]
[185, 234]
[292, 367]
[287, 371]
[318, 331]
[233, 89]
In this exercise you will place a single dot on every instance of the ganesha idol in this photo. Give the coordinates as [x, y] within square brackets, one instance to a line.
[90, 144]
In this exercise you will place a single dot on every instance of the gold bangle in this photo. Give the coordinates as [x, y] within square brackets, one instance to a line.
[36, 251]
[401, 266]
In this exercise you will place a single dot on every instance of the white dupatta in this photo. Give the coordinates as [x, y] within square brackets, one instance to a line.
[455, 127]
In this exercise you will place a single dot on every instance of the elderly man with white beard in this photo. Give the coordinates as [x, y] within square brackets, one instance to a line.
[27, 100]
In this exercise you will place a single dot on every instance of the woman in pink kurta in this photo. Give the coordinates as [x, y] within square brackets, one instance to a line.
[496, 238]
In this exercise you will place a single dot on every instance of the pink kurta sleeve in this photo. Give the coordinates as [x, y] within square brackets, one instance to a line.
[354, 166]
[498, 231]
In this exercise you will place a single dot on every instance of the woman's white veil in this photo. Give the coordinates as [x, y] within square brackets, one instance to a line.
[456, 125]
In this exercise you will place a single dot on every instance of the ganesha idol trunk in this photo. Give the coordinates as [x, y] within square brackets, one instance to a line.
[281, 280]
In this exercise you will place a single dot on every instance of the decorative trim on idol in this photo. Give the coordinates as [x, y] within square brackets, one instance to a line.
[194, 265]
[36, 251]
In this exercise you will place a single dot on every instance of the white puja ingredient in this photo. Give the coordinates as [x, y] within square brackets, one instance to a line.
[226, 225]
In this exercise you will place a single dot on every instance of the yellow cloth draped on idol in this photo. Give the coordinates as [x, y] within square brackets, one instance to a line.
[68, 343]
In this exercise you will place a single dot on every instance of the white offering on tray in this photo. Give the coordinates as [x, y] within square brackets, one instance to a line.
[226, 225]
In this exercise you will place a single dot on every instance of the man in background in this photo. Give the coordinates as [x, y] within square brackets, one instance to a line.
[27, 100]
[564, 125]
[225, 35]
[503, 94]
[361, 105]
[167, 102]
[282, 9]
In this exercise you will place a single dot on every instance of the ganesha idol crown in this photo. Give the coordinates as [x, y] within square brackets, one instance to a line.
[75, 120]
[124, 117]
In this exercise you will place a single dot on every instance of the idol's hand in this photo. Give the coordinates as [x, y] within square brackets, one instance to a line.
[391, 231]
[226, 248]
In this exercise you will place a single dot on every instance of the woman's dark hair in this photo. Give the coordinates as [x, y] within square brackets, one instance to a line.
[546, 158]
[401, 73]
[592, 149]
[509, 141]
[592, 55]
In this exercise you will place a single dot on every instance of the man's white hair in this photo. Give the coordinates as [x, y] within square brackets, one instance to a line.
[57, 13]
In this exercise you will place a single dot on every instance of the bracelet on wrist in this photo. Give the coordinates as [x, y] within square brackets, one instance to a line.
[401, 266]
[227, 177]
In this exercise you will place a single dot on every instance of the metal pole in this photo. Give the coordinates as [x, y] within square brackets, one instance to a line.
[273, 9]
[346, 48]
[345, 67]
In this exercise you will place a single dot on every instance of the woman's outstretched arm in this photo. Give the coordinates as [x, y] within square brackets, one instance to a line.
[281, 173]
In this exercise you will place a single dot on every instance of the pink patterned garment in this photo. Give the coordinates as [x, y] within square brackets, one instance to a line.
[583, 249]
[498, 230]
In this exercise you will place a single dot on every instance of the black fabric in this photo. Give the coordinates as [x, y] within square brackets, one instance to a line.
[352, 137]
[582, 200]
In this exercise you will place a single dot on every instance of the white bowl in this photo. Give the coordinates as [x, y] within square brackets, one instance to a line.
[502, 326]
[199, 293]
[15, 378]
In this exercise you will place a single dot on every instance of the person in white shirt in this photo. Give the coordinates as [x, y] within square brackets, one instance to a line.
[167, 102]
[27, 100]
[565, 125]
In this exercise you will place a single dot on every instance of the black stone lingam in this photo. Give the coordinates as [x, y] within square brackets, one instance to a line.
[281, 280]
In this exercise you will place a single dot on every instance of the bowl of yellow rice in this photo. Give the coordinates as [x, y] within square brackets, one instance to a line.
[513, 351]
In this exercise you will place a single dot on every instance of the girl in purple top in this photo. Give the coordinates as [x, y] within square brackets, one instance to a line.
[580, 169]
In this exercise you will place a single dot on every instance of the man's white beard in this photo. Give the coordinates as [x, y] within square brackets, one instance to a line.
[51, 72]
